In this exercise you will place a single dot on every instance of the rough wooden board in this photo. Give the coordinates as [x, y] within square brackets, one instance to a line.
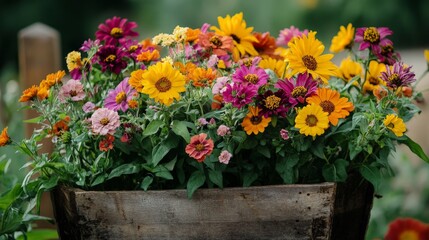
[269, 212]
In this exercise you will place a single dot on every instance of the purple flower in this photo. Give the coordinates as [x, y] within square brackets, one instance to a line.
[118, 98]
[104, 121]
[72, 90]
[111, 58]
[239, 94]
[132, 48]
[272, 103]
[89, 44]
[224, 157]
[298, 90]
[388, 55]
[115, 29]
[88, 107]
[398, 75]
[253, 75]
[288, 33]
[373, 38]
[223, 130]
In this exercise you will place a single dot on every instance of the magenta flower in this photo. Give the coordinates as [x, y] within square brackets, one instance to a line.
[223, 130]
[398, 75]
[115, 29]
[253, 75]
[297, 91]
[388, 55]
[132, 48]
[373, 38]
[272, 103]
[111, 58]
[104, 121]
[118, 98]
[239, 94]
[72, 90]
[224, 157]
[200, 147]
[89, 44]
[288, 33]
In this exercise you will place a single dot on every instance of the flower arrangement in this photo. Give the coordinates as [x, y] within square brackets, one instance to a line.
[220, 106]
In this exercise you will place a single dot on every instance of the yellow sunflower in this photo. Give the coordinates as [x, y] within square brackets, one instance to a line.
[337, 107]
[163, 83]
[312, 120]
[253, 122]
[349, 69]
[343, 39]
[373, 79]
[305, 55]
[236, 28]
[395, 124]
[278, 66]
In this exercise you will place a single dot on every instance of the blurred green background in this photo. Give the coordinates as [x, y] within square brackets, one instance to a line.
[406, 195]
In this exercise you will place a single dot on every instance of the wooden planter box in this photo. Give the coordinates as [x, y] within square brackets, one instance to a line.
[267, 212]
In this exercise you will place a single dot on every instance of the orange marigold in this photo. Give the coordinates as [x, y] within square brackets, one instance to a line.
[135, 80]
[148, 56]
[29, 94]
[4, 138]
[202, 77]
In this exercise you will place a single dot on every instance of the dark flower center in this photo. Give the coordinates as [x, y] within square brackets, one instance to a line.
[299, 91]
[73, 93]
[111, 58]
[255, 120]
[163, 84]
[374, 81]
[237, 39]
[252, 78]
[391, 126]
[216, 41]
[311, 120]
[104, 121]
[116, 32]
[387, 49]
[199, 147]
[327, 106]
[272, 102]
[371, 35]
[394, 79]
[309, 62]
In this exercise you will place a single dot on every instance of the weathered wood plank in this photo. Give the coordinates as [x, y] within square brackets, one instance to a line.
[269, 212]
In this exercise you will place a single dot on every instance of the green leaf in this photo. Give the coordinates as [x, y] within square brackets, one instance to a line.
[265, 151]
[216, 178]
[42, 234]
[249, 178]
[162, 172]
[195, 181]
[335, 172]
[170, 165]
[372, 174]
[153, 127]
[318, 149]
[180, 128]
[99, 179]
[34, 120]
[128, 168]
[414, 147]
[147, 181]
[162, 149]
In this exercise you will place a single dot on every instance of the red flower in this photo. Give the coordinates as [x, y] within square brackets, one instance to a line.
[107, 143]
[407, 228]
[115, 29]
[266, 44]
[199, 147]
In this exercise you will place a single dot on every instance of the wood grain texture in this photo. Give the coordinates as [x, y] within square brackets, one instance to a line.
[268, 212]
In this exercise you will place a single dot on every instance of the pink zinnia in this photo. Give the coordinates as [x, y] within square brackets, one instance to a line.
[373, 38]
[224, 157]
[199, 147]
[104, 121]
[288, 33]
[297, 91]
[111, 58]
[223, 130]
[253, 75]
[398, 75]
[239, 94]
[118, 98]
[114, 29]
[219, 86]
[72, 90]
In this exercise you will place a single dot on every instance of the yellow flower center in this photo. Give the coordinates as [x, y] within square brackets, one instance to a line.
[299, 91]
[252, 78]
[327, 106]
[371, 35]
[110, 58]
[373, 80]
[132, 48]
[395, 79]
[409, 235]
[120, 97]
[163, 84]
[216, 41]
[199, 147]
[387, 49]
[104, 121]
[255, 120]
[311, 120]
[309, 62]
[272, 102]
[116, 32]
[237, 39]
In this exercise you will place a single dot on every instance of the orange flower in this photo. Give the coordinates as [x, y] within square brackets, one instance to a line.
[148, 56]
[192, 35]
[42, 93]
[254, 122]
[107, 143]
[147, 43]
[220, 45]
[266, 44]
[217, 102]
[133, 104]
[61, 126]
[4, 138]
[135, 80]
[199, 147]
[185, 69]
[379, 93]
[202, 77]
[52, 79]
[29, 94]
[407, 228]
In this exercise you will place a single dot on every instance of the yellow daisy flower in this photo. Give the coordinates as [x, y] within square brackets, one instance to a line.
[236, 28]
[373, 79]
[305, 55]
[278, 66]
[395, 124]
[254, 122]
[426, 53]
[337, 107]
[343, 39]
[312, 120]
[349, 69]
[163, 83]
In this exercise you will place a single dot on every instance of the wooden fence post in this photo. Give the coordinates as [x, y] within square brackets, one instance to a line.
[39, 55]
